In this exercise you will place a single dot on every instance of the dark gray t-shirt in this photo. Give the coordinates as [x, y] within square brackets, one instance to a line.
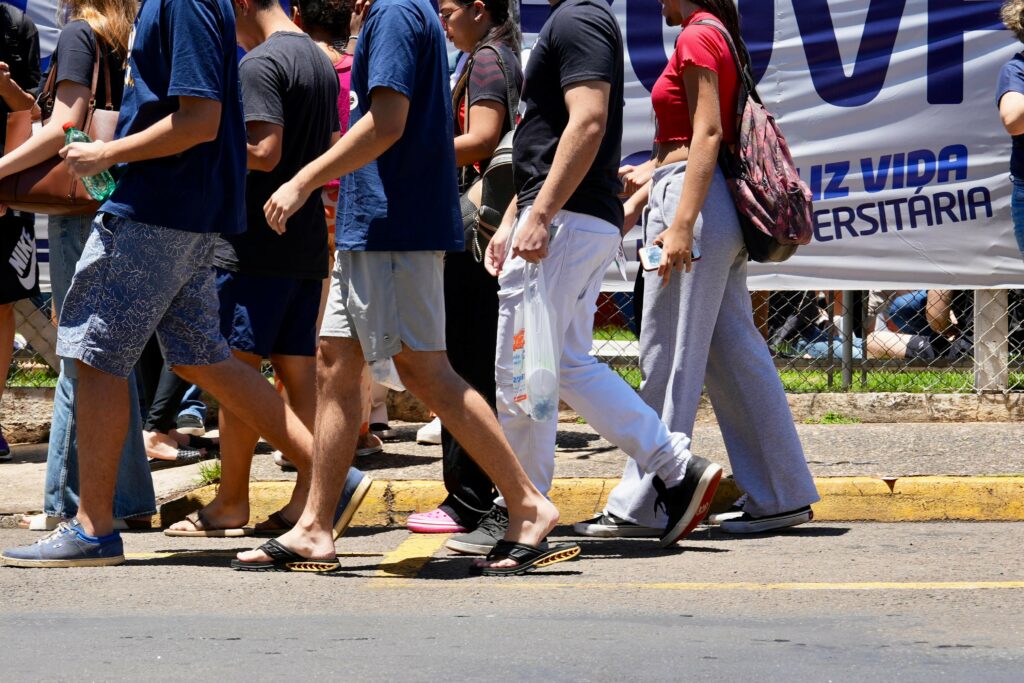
[288, 81]
[579, 42]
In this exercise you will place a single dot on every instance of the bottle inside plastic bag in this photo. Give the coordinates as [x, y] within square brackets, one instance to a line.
[540, 359]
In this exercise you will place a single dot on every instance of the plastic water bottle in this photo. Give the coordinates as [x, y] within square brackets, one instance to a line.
[99, 186]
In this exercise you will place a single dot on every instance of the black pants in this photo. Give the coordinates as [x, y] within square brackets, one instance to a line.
[471, 312]
[161, 390]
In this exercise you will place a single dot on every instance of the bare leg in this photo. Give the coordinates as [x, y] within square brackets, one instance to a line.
[298, 375]
[339, 412]
[102, 414]
[251, 398]
[467, 416]
[6, 341]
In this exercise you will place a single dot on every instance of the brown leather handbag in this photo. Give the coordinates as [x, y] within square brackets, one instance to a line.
[49, 187]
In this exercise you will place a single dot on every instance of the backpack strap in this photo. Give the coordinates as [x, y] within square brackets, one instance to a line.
[748, 88]
[510, 89]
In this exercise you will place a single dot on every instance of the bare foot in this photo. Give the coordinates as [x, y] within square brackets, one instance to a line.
[161, 446]
[529, 526]
[315, 546]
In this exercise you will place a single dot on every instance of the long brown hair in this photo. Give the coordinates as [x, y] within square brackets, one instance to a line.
[111, 20]
[506, 24]
[725, 11]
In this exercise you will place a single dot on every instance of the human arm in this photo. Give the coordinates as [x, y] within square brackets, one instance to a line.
[939, 312]
[370, 137]
[1011, 111]
[484, 134]
[71, 104]
[634, 207]
[634, 178]
[497, 248]
[705, 112]
[196, 121]
[263, 148]
[587, 104]
[13, 96]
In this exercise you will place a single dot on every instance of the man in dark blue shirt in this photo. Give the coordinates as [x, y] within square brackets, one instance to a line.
[398, 213]
[147, 265]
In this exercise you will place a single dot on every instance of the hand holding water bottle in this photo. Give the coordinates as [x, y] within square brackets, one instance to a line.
[87, 160]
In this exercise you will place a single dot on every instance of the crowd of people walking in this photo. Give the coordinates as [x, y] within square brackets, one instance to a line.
[214, 251]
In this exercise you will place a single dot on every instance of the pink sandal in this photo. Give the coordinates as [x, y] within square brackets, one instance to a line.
[434, 522]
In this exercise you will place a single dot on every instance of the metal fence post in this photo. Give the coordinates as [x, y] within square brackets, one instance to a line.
[991, 340]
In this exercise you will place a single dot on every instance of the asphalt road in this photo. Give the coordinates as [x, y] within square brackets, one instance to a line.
[826, 602]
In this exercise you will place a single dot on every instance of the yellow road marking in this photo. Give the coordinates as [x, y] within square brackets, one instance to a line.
[536, 583]
[406, 561]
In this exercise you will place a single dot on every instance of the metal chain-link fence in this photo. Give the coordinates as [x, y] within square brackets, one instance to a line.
[921, 341]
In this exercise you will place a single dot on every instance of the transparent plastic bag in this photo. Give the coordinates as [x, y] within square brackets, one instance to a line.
[540, 360]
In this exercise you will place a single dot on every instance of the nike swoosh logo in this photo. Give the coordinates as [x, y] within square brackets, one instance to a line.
[28, 277]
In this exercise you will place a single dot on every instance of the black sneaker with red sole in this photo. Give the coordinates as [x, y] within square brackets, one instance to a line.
[687, 503]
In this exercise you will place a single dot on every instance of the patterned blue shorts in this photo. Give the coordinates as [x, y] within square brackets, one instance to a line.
[134, 279]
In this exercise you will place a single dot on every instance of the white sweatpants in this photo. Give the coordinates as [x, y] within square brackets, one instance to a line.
[580, 252]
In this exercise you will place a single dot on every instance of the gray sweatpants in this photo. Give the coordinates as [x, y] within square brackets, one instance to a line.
[699, 330]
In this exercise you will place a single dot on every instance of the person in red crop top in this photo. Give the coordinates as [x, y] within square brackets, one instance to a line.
[698, 327]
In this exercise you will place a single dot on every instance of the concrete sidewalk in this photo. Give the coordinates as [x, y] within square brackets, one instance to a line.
[880, 472]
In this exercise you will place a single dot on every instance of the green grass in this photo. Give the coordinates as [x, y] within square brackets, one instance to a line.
[816, 381]
[209, 472]
[31, 376]
[612, 333]
[831, 418]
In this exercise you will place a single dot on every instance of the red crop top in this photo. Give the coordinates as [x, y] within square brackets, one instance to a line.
[702, 46]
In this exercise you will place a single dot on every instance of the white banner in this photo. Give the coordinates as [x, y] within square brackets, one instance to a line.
[889, 108]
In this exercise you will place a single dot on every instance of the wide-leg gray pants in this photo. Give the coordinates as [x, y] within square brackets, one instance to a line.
[699, 330]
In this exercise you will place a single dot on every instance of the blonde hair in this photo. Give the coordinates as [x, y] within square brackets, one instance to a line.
[1012, 15]
[111, 20]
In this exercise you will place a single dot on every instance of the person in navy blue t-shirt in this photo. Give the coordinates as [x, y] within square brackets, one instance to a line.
[398, 213]
[146, 268]
[1010, 100]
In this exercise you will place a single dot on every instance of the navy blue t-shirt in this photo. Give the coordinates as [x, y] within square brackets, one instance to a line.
[1011, 79]
[406, 200]
[183, 48]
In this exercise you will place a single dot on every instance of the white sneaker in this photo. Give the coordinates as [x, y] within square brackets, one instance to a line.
[40, 522]
[735, 511]
[748, 524]
[609, 526]
[430, 433]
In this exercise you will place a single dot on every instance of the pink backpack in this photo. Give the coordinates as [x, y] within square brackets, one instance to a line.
[773, 203]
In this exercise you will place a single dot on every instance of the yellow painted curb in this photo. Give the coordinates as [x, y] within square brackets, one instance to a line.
[863, 499]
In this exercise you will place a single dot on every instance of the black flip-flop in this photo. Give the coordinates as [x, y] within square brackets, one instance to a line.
[527, 557]
[185, 456]
[280, 525]
[284, 559]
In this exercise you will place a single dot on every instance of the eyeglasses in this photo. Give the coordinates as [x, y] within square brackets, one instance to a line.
[447, 16]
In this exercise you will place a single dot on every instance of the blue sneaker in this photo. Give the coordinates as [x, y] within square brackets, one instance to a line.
[357, 485]
[68, 546]
[5, 449]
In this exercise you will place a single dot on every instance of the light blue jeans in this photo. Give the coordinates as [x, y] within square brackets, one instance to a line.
[133, 495]
[1017, 211]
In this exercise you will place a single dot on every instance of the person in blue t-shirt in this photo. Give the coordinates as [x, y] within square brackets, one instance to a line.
[147, 264]
[1010, 100]
[398, 213]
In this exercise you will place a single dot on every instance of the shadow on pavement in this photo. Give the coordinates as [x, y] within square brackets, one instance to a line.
[807, 531]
